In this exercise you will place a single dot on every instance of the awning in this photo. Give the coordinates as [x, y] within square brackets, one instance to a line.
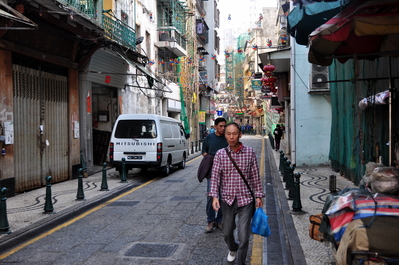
[279, 58]
[366, 28]
[151, 77]
[17, 17]
[303, 20]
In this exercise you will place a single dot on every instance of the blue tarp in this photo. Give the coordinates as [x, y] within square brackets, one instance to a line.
[302, 21]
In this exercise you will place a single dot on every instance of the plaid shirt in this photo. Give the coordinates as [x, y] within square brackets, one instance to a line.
[226, 178]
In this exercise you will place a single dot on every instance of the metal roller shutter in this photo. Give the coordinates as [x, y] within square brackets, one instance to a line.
[40, 123]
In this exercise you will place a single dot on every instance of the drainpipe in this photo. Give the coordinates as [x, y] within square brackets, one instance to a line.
[293, 101]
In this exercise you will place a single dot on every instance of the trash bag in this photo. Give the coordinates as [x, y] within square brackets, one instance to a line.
[259, 225]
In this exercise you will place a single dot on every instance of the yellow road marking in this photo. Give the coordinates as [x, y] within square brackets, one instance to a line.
[55, 229]
[257, 246]
[194, 159]
[12, 251]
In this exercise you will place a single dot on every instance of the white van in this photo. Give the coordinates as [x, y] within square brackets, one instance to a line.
[148, 140]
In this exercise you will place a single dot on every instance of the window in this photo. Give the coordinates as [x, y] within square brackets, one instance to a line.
[136, 129]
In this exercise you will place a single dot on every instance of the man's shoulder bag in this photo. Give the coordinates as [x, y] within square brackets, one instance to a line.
[239, 172]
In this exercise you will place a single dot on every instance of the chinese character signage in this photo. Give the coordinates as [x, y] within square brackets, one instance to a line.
[201, 117]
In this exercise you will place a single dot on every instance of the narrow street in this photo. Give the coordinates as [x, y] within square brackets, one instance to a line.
[161, 221]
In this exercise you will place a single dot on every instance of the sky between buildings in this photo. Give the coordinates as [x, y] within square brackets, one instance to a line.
[237, 17]
[242, 14]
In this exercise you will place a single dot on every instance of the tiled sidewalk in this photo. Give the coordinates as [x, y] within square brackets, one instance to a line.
[314, 189]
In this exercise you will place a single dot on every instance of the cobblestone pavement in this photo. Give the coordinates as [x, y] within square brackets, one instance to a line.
[314, 188]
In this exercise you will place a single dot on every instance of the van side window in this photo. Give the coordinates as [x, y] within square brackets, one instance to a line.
[166, 130]
[176, 130]
[136, 129]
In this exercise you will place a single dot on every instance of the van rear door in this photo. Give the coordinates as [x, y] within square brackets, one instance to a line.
[135, 140]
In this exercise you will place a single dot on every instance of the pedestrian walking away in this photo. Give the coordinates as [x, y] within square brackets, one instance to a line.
[278, 133]
[236, 195]
[212, 129]
[212, 143]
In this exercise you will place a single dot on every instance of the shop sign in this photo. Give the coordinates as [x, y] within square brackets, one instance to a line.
[256, 84]
[201, 117]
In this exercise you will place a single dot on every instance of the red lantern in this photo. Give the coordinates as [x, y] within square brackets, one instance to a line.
[272, 79]
[268, 68]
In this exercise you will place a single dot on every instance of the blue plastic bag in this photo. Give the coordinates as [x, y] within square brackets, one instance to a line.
[259, 224]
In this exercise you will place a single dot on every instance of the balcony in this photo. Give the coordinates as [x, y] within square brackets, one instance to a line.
[171, 40]
[117, 31]
[85, 7]
[202, 31]
[172, 14]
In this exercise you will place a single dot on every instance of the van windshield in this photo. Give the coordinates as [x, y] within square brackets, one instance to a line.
[136, 129]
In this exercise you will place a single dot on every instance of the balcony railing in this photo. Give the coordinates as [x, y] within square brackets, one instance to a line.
[202, 31]
[119, 32]
[83, 6]
[172, 13]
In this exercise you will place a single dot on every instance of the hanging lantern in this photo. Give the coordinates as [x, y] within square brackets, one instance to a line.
[272, 79]
[268, 68]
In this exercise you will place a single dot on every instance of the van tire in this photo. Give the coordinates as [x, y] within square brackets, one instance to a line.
[182, 164]
[166, 169]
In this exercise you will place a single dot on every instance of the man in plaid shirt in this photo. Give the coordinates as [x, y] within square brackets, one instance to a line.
[236, 198]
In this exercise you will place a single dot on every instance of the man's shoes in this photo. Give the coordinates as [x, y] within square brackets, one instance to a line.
[209, 227]
[219, 226]
[231, 256]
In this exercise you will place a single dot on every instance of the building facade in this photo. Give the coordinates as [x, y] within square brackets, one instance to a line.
[70, 69]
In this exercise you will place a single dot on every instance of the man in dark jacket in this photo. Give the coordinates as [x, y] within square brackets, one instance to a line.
[212, 143]
[278, 133]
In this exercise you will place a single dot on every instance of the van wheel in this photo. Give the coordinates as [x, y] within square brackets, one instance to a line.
[166, 169]
[182, 164]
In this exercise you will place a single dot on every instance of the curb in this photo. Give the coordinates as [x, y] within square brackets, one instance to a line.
[16, 238]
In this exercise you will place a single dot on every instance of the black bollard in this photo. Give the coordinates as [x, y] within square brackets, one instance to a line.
[285, 159]
[4, 226]
[333, 183]
[290, 183]
[84, 166]
[104, 184]
[280, 167]
[200, 143]
[196, 146]
[123, 177]
[48, 205]
[285, 170]
[80, 195]
[192, 147]
[296, 204]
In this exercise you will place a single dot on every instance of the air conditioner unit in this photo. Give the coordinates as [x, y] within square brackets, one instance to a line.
[318, 81]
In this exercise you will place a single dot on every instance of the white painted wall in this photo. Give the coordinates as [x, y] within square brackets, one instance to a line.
[210, 47]
[313, 116]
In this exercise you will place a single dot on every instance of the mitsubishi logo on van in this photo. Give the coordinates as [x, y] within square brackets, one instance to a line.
[135, 143]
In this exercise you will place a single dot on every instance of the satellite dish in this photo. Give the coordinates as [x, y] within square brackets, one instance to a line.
[139, 40]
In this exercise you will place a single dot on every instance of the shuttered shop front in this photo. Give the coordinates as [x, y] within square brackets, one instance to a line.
[40, 95]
